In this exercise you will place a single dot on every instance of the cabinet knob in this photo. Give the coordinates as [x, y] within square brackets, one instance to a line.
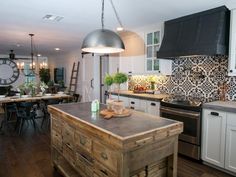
[132, 102]
[104, 156]
[231, 71]
[153, 104]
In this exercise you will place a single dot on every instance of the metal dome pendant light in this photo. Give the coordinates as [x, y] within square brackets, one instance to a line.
[103, 40]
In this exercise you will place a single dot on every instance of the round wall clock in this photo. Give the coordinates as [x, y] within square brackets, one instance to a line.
[9, 72]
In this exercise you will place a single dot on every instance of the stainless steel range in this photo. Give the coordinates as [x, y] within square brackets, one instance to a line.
[188, 111]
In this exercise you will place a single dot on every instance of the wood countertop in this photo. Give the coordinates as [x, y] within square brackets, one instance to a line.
[145, 96]
[122, 128]
[35, 98]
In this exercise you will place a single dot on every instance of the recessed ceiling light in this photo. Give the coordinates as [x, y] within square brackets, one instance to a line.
[120, 28]
[53, 17]
[18, 45]
[57, 49]
[39, 55]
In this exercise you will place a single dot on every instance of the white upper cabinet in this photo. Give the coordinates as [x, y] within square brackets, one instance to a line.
[140, 55]
[232, 44]
[152, 63]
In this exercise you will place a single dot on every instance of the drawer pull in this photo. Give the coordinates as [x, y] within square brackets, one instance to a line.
[88, 160]
[214, 113]
[104, 155]
[131, 107]
[153, 104]
[143, 141]
[68, 144]
[104, 172]
[132, 102]
[82, 141]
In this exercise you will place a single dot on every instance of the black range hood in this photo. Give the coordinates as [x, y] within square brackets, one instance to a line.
[203, 33]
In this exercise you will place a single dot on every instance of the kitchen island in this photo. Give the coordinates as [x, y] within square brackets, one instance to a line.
[85, 144]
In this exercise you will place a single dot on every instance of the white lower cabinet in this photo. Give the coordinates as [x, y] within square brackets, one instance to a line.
[153, 108]
[122, 98]
[219, 139]
[230, 153]
[137, 104]
[213, 137]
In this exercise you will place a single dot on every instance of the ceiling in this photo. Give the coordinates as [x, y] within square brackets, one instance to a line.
[18, 18]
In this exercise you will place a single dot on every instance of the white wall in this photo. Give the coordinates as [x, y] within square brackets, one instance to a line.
[67, 61]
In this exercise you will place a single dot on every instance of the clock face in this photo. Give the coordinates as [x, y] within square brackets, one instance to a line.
[9, 72]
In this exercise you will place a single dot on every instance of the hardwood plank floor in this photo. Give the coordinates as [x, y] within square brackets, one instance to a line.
[28, 155]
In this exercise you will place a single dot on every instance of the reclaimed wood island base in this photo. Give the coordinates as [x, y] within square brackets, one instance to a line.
[84, 144]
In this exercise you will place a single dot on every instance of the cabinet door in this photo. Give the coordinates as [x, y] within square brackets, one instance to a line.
[230, 153]
[232, 44]
[153, 108]
[213, 137]
[125, 100]
[142, 106]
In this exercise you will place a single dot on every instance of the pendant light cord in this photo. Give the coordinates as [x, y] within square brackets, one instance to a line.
[117, 16]
[102, 17]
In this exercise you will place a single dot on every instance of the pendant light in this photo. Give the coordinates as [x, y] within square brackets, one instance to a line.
[103, 40]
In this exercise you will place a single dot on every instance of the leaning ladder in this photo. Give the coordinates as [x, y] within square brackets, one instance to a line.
[74, 78]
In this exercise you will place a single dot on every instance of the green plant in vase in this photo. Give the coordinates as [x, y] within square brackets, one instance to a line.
[119, 78]
[108, 80]
[22, 89]
[32, 86]
[43, 87]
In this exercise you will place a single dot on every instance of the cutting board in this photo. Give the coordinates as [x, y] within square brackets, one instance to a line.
[107, 114]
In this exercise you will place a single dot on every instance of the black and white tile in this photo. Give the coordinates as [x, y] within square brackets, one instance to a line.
[194, 76]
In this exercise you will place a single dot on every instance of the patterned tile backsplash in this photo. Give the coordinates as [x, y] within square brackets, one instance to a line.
[198, 76]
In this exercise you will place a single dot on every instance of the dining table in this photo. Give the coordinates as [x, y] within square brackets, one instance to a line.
[28, 98]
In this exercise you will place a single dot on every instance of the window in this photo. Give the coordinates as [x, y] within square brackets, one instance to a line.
[152, 46]
[27, 71]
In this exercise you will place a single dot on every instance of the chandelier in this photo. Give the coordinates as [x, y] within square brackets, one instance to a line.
[32, 70]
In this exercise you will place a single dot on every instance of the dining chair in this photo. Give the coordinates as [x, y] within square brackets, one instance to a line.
[10, 113]
[25, 112]
[46, 117]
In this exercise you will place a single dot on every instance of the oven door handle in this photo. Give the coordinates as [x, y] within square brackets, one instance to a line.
[179, 112]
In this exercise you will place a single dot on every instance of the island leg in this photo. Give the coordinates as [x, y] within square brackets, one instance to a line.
[172, 161]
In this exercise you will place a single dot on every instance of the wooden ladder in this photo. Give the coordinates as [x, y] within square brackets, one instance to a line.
[74, 78]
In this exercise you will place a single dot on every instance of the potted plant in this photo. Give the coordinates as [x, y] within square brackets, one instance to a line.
[119, 78]
[32, 86]
[44, 75]
[43, 87]
[108, 80]
[22, 89]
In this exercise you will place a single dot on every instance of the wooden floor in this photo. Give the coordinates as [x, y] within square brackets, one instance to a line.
[28, 155]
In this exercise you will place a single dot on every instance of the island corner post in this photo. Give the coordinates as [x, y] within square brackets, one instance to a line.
[84, 144]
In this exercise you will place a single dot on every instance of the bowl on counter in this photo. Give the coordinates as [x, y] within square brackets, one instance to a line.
[60, 93]
[48, 94]
[25, 96]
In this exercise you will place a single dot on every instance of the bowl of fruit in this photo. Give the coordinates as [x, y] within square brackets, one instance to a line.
[139, 89]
